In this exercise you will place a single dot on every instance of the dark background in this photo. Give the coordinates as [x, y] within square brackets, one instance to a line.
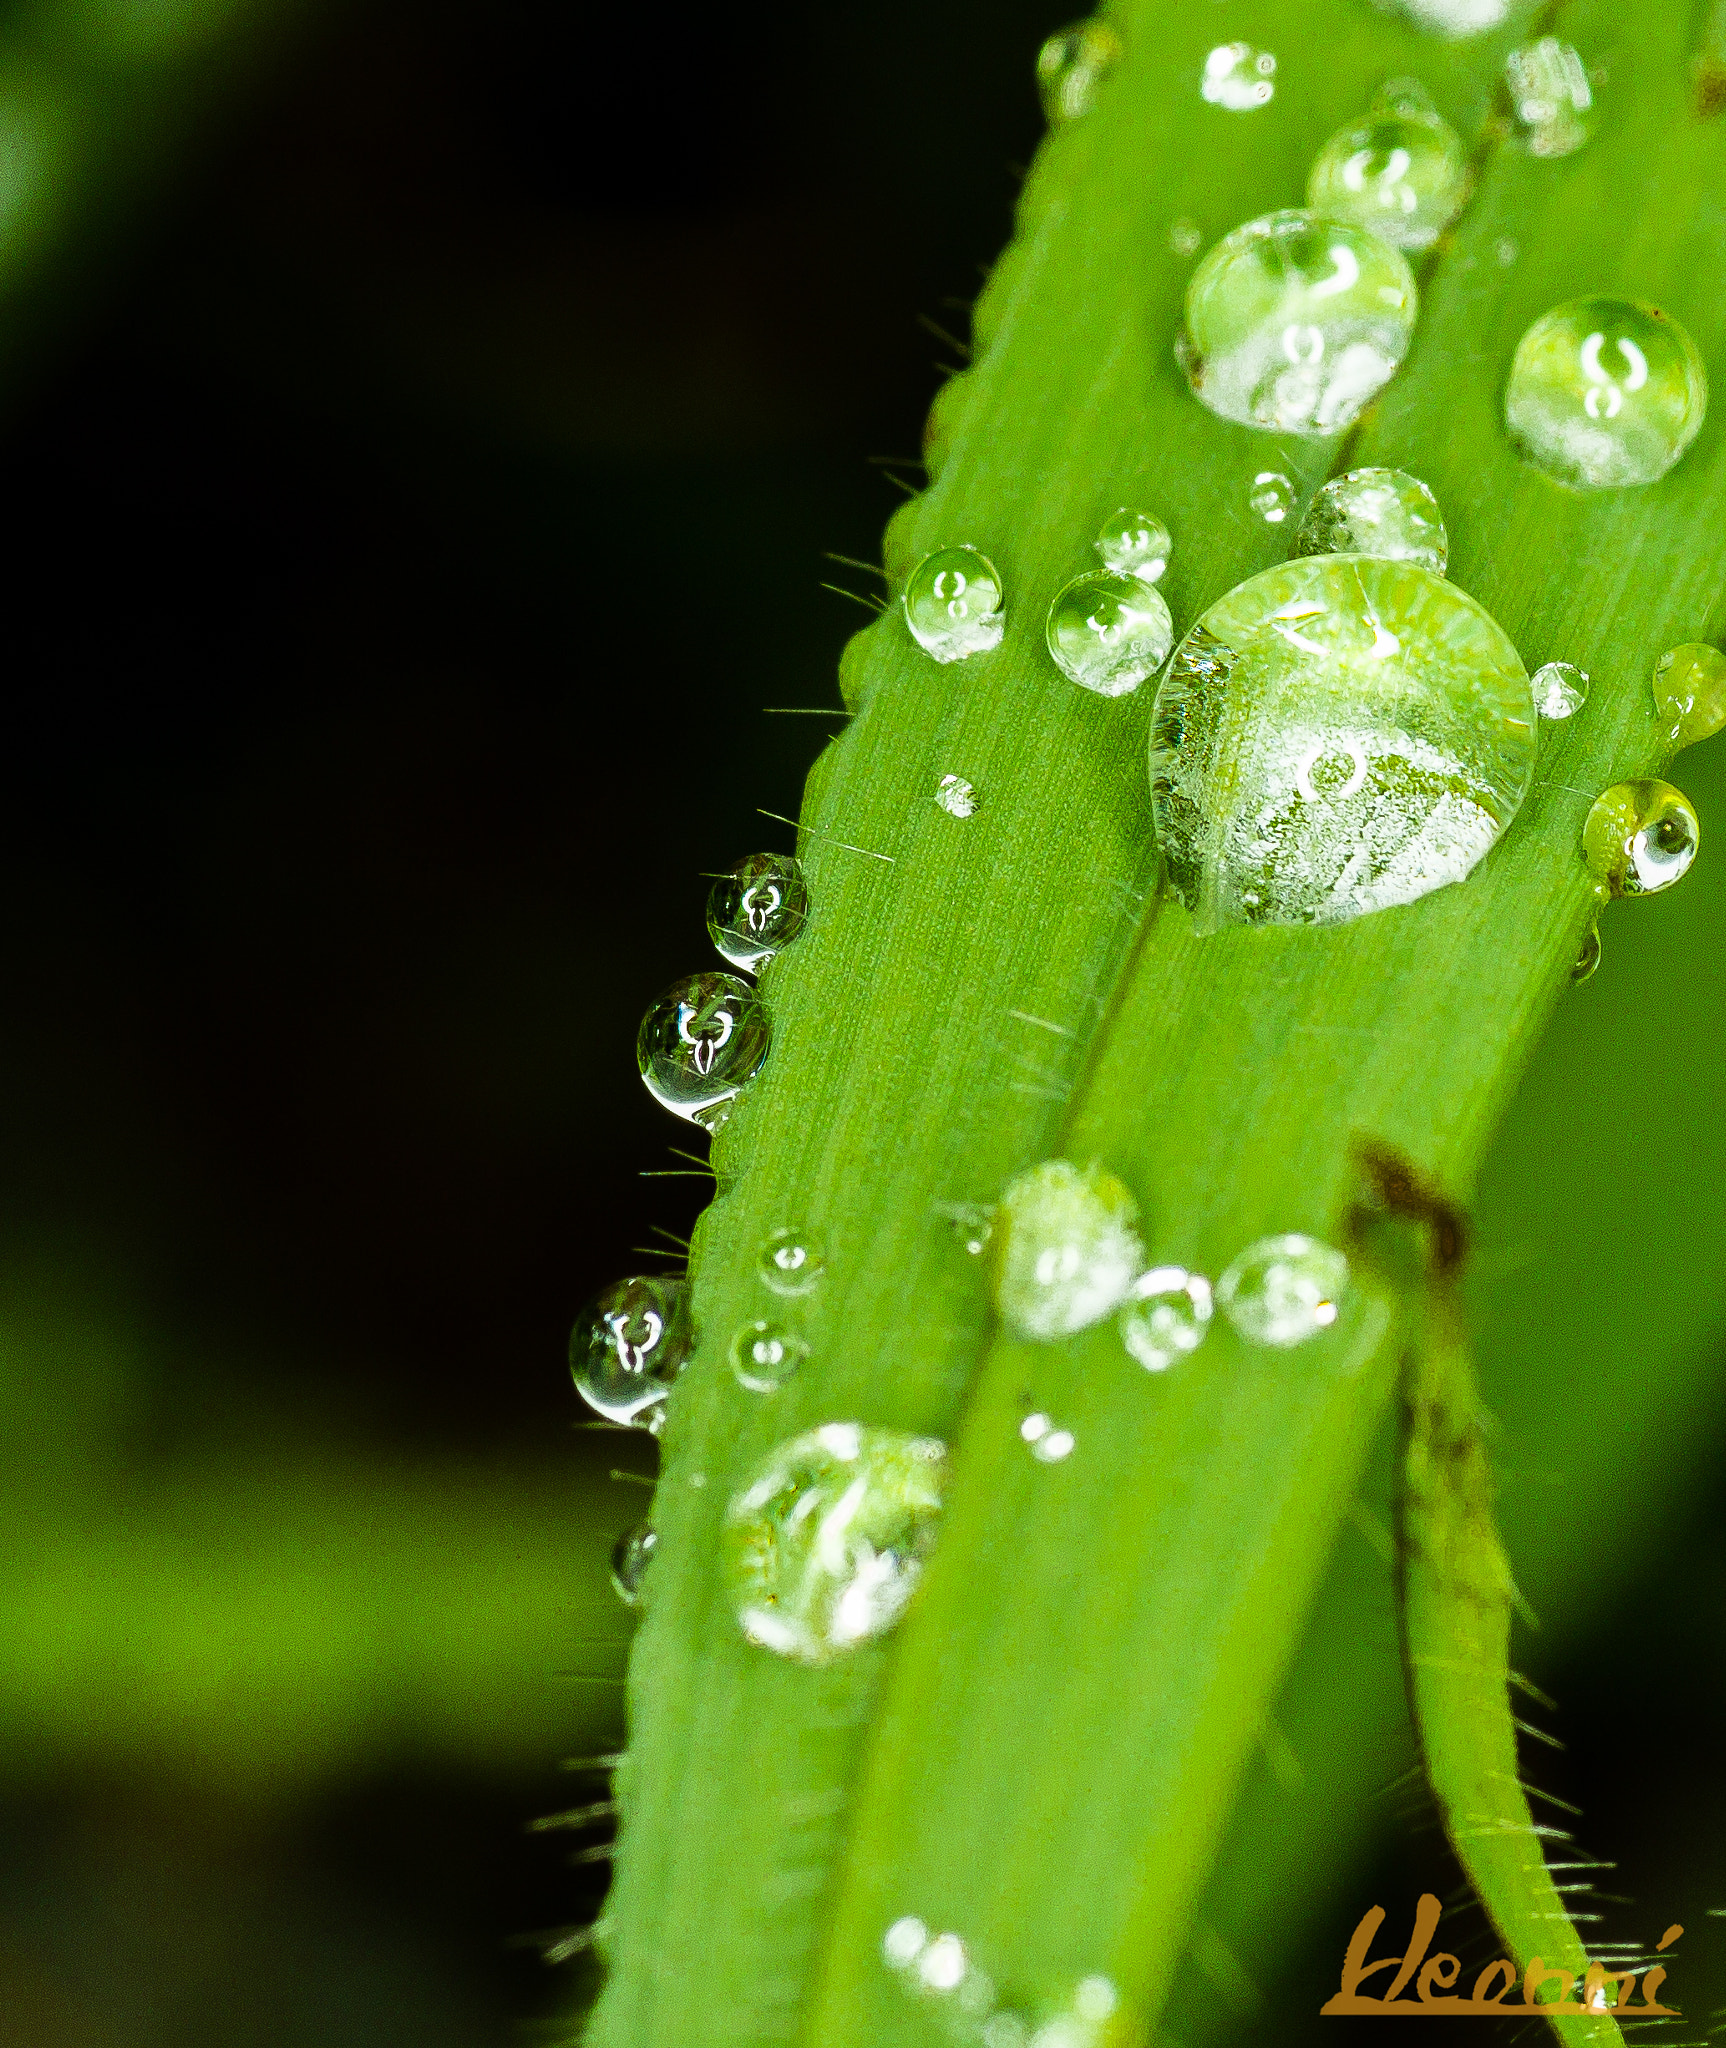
[414, 488]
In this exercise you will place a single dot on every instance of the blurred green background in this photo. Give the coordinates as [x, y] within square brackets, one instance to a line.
[422, 426]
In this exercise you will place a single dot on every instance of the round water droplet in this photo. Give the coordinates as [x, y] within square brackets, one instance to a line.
[1383, 512]
[1239, 77]
[1108, 632]
[1049, 1445]
[1605, 393]
[1588, 958]
[631, 1554]
[1294, 321]
[757, 909]
[629, 1347]
[1337, 735]
[1403, 173]
[1065, 1249]
[765, 1355]
[1640, 837]
[1135, 544]
[1273, 497]
[1560, 689]
[1186, 237]
[1690, 692]
[791, 1262]
[702, 1040]
[824, 1546]
[1284, 1290]
[1166, 1316]
[953, 604]
[1072, 65]
[1550, 96]
[904, 1942]
[957, 797]
[1505, 252]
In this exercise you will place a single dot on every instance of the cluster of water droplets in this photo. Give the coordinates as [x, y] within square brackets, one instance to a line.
[939, 1967]
[1109, 629]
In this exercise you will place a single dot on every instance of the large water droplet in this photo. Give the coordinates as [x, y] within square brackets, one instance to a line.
[1134, 543]
[1690, 692]
[1108, 632]
[1072, 65]
[1239, 77]
[1334, 736]
[1166, 1316]
[629, 1347]
[631, 1555]
[702, 1040]
[957, 797]
[1383, 512]
[1560, 689]
[825, 1545]
[1283, 1290]
[1065, 1249]
[1403, 173]
[791, 1262]
[765, 1355]
[953, 604]
[1294, 321]
[1640, 837]
[1273, 497]
[1550, 96]
[757, 909]
[1604, 393]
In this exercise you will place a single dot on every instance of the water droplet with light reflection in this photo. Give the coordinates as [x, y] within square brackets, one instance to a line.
[1049, 1445]
[1165, 1317]
[972, 1224]
[1072, 65]
[1588, 955]
[765, 1355]
[758, 909]
[700, 1042]
[1690, 692]
[791, 1262]
[1639, 838]
[627, 1350]
[1605, 393]
[1294, 321]
[1336, 735]
[1273, 497]
[1283, 1290]
[1550, 97]
[1383, 512]
[1560, 689]
[1403, 172]
[953, 605]
[956, 796]
[631, 1555]
[1134, 543]
[1108, 632]
[823, 1548]
[1065, 1248]
[1238, 77]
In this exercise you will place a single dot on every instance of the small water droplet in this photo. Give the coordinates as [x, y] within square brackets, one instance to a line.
[943, 1965]
[629, 1347]
[1588, 957]
[1273, 497]
[765, 1355]
[953, 604]
[631, 1555]
[1403, 173]
[1108, 632]
[1383, 512]
[1550, 96]
[1605, 393]
[1505, 251]
[1065, 1248]
[904, 1942]
[758, 909]
[1005, 2030]
[972, 1223]
[825, 1545]
[1453, 18]
[1284, 1290]
[1186, 237]
[1166, 1316]
[1336, 735]
[1072, 65]
[791, 1262]
[956, 796]
[1239, 77]
[1640, 837]
[700, 1042]
[1134, 543]
[1690, 692]
[1294, 321]
[1049, 1445]
[1560, 689]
